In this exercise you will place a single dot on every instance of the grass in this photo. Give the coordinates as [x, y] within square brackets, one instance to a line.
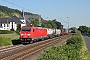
[13, 36]
[6, 39]
[6, 32]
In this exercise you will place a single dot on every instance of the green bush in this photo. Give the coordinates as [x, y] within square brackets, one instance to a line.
[74, 49]
[61, 53]
[5, 32]
[75, 41]
[17, 31]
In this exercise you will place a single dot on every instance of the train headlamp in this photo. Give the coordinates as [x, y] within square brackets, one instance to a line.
[22, 34]
[28, 34]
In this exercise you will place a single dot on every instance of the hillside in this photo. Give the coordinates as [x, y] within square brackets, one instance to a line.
[6, 12]
[9, 12]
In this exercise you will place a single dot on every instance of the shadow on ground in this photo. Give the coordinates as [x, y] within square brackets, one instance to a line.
[16, 42]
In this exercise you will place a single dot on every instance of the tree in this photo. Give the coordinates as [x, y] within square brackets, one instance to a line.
[52, 24]
[89, 30]
[58, 24]
[46, 24]
[35, 22]
[18, 28]
[83, 29]
[74, 29]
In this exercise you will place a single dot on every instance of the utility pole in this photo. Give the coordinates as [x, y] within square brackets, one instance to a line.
[39, 20]
[23, 15]
[68, 24]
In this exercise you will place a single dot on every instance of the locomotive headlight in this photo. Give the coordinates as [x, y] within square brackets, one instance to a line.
[28, 34]
[22, 34]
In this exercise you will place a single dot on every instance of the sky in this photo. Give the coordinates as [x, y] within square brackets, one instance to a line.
[77, 11]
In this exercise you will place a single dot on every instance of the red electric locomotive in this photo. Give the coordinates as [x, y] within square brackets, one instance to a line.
[29, 34]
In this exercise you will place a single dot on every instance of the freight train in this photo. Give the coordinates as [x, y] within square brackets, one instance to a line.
[30, 34]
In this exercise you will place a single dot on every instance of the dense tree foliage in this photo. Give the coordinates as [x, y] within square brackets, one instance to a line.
[89, 30]
[83, 29]
[47, 24]
[35, 22]
[74, 29]
[58, 24]
[52, 24]
[18, 28]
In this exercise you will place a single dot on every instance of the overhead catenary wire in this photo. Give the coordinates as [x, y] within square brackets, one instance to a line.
[66, 22]
[29, 5]
[63, 20]
[17, 5]
[25, 3]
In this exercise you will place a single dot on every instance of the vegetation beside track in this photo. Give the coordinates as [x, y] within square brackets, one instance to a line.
[74, 49]
[7, 39]
[6, 32]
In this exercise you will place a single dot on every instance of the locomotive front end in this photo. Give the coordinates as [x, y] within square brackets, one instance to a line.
[25, 35]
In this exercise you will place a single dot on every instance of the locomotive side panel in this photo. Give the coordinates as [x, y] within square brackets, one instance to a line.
[30, 34]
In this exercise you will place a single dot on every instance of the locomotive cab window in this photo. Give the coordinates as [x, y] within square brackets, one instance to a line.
[26, 29]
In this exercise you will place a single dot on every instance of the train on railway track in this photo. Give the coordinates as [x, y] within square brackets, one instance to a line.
[30, 34]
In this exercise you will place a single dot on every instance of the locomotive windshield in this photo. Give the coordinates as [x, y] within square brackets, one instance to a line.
[25, 29]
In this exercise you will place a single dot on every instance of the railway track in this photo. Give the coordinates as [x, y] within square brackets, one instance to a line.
[9, 48]
[20, 52]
